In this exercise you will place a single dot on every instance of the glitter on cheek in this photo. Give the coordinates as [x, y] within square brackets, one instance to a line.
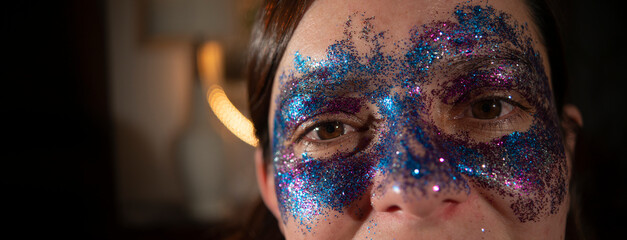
[529, 166]
[530, 163]
[314, 186]
[308, 188]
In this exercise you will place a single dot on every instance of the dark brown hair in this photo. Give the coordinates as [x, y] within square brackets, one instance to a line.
[274, 26]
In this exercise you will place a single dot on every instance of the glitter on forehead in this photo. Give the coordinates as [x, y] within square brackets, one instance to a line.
[483, 50]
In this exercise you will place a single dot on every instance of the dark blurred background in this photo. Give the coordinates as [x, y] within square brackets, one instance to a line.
[103, 98]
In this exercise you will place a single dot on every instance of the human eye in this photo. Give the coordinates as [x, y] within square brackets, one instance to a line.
[490, 108]
[328, 131]
[331, 134]
[492, 114]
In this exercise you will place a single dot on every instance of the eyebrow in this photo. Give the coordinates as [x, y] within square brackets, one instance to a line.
[332, 80]
[324, 80]
[463, 64]
[324, 95]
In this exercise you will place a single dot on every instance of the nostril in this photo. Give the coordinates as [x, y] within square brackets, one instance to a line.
[449, 207]
[393, 209]
[450, 203]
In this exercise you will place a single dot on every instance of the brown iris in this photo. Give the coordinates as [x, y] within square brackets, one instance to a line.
[486, 109]
[329, 130]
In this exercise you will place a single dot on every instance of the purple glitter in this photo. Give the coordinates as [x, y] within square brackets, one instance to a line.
[483, 51]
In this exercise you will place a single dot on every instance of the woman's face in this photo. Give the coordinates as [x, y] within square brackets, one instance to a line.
[416, 119]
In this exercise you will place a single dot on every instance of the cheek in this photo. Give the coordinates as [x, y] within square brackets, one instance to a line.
[309, 188]
[527, 167]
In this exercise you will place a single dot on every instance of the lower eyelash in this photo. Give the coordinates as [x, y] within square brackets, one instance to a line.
[505, 124]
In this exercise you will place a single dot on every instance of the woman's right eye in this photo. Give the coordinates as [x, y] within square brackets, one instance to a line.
[328, 131]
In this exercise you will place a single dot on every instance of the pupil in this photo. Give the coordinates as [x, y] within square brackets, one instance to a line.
[486, 109]
[330, 130]
[489, 106]
[331, 127]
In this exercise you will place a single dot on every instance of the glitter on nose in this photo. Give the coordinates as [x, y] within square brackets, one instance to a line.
[396, 189]
[417, 90]
[415, 172]
[436, 188]
[441, 159]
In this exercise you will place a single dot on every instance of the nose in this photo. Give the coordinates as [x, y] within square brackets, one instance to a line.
[424, 201]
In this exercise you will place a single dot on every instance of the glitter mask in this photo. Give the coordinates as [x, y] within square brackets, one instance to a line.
[483, 50]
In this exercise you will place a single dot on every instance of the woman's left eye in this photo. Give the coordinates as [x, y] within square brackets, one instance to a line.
[489, 109]
[328, 131]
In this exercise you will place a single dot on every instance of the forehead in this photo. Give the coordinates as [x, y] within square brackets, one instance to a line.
[325, 22]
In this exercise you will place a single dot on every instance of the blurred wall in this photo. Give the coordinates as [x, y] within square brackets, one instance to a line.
[149, 85]
[174, 161]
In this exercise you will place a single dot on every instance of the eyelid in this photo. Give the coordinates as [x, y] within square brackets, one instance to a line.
[508, 100]
[511, 96]
[309, 124]
[499, 75]
[519, 118]
[347, 129]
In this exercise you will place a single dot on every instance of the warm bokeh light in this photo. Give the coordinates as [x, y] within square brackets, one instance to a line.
[210, 63]
[228, 114]
[212, 72]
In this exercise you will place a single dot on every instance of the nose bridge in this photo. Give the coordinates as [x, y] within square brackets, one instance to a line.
[414, 177]
[415, 167]
[411, 151]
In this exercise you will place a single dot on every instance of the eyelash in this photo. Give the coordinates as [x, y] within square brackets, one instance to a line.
[504, 99]
[347, 128]
[350, 142]
[499, 123]
[325, 120]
